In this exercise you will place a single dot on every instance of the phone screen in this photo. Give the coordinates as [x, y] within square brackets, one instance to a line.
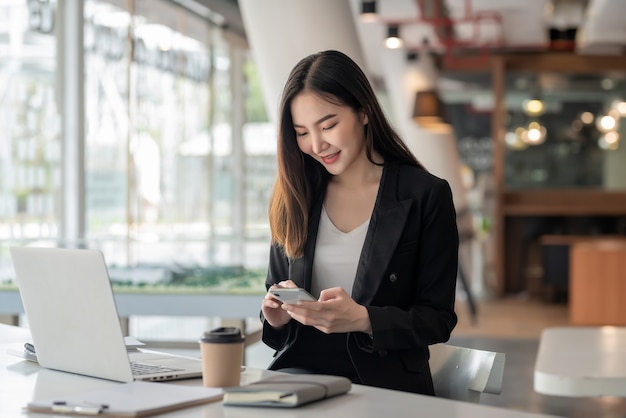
[292, 295]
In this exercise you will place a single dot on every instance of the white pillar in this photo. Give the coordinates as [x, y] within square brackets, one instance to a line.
[71, 101]
[280, 33]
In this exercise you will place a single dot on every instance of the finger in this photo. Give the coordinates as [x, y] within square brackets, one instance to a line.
[269, 296]
[309, 305]
[333, 293]
[271, 302]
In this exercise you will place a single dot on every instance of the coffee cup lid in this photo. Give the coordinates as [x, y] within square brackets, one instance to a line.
[223, 335]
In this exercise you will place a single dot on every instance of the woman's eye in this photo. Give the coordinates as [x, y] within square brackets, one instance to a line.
[329, 127]
[300, 134]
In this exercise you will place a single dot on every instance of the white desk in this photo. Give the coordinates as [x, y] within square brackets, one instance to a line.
[581, 361]
[22, 381]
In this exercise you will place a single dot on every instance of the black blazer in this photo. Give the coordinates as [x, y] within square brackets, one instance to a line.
[406, 278]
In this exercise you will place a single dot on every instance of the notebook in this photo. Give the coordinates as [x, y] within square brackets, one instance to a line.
[287, 390]
[73, 319]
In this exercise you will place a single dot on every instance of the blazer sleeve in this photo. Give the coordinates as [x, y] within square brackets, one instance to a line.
[278, 270]
[430, 317]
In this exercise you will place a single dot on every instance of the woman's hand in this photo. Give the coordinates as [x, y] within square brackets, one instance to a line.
[271, 307]
[335, 312]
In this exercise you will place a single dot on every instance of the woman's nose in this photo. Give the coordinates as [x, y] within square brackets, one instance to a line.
[318, 144]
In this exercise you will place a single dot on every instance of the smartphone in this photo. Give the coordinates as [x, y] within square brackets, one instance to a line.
[291, 295]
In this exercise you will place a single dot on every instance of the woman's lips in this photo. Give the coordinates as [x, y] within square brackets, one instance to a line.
[329, 159]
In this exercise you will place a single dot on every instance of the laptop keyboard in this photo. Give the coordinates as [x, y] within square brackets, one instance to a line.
[140, 369]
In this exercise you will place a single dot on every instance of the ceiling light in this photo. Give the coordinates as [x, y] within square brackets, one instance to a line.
[428, 109]
[368, 11]
[535, 134]
[620, 106]
[611, 137]
[609, 141]
[514, 140]
[393, 40]
[606, 123]
[412, 56]
[533, 107]
[586, 118]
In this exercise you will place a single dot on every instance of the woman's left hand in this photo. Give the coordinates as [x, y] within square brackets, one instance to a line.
[334, 312]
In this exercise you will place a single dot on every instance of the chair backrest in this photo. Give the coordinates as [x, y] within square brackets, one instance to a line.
[465, 373]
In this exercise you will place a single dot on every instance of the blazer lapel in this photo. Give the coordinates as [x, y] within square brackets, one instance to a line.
[385, 228]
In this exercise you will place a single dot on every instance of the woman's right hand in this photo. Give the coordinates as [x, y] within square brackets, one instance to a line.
[271, 307]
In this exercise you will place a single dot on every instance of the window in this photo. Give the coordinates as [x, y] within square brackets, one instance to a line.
[179, 159]
[30, 136]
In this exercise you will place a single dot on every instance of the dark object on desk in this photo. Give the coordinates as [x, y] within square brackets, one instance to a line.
[29, 352]
[287, 391]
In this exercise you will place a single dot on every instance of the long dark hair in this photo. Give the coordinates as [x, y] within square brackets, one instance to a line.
[337, 78]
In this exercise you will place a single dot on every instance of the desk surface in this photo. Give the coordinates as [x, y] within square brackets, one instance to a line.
[23, 381]
[581, 361]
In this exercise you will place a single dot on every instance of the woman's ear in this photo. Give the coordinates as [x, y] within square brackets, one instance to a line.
[364, 119]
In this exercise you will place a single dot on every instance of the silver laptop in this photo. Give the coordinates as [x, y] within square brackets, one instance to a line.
[74, 323]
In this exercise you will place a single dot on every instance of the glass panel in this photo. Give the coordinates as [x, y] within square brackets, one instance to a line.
[30, 149]
[260, 149]
[147, 166]
[107, 56]
[554, 137]
[170, 114]
[222, 182]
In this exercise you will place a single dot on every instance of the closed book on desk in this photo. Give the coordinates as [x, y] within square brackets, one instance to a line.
[287, 390]
[135, 399]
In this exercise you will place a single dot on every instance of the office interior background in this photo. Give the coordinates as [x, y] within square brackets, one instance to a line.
[146, 129]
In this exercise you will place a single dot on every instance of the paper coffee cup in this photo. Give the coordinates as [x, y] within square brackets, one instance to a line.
[222, 357]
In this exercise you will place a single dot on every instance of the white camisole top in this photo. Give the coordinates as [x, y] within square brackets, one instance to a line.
[336, 255]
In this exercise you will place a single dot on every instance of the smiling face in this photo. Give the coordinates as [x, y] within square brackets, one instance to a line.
[333, 135]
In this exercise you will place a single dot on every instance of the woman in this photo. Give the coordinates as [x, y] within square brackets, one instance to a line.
[358, 222]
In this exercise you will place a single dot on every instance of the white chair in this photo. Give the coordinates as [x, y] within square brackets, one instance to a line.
[465, 373]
